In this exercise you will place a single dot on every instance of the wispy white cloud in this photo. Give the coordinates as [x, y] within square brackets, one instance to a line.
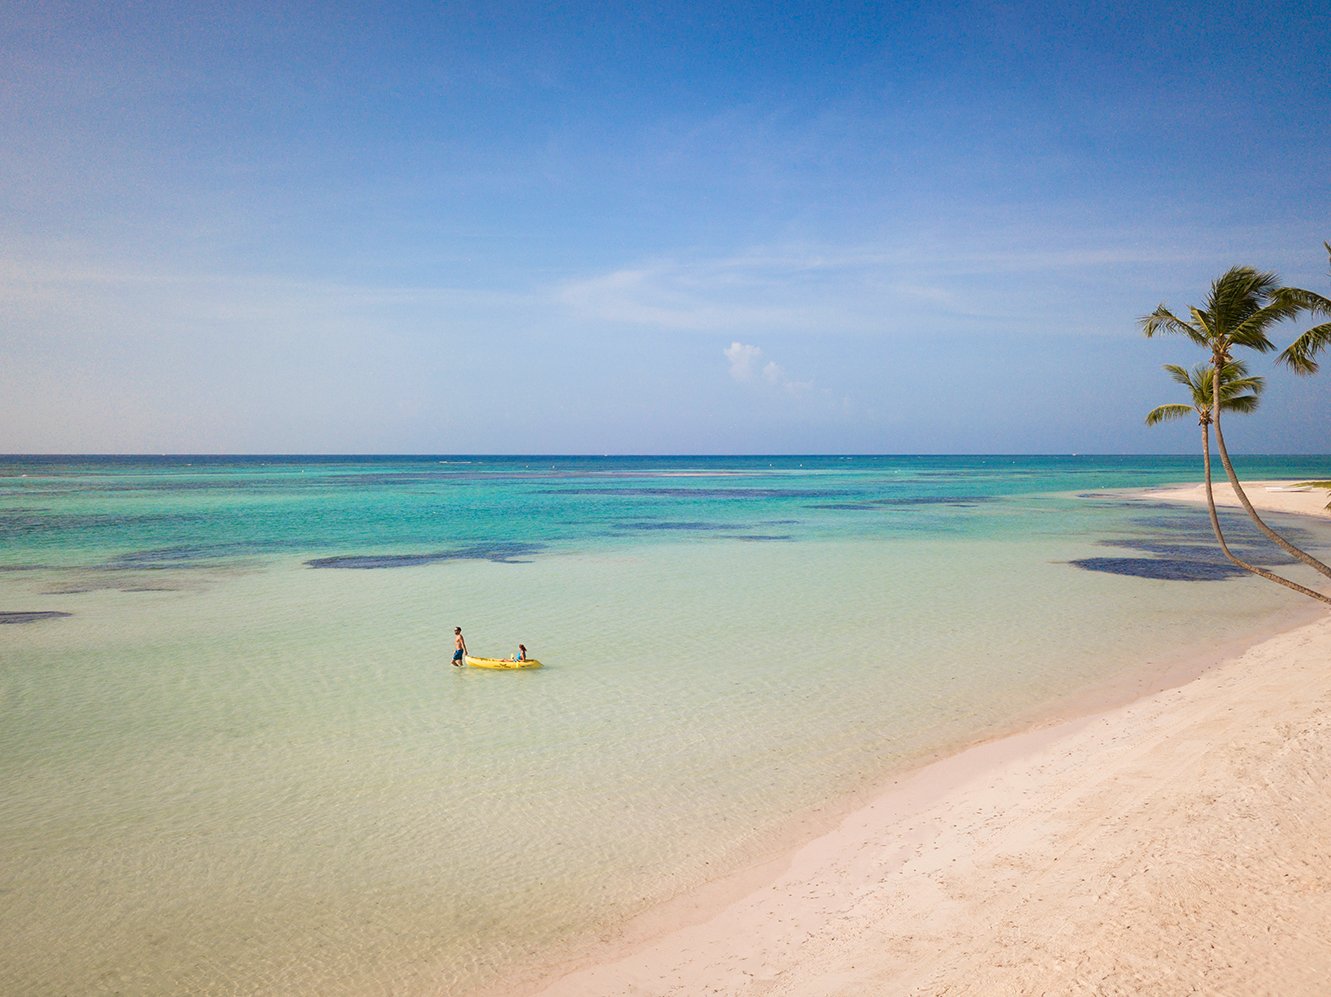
[93, 300]
[694, 297]
[747, 366]
[825, 289]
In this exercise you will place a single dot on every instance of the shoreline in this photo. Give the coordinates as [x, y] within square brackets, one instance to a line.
[1287, 497]
[965, 874]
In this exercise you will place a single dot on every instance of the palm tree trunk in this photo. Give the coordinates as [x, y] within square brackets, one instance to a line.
[1271, 534]
[1220, 536]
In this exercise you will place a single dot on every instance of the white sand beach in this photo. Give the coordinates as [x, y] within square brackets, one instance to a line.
[1269, 496]
[1177, 844]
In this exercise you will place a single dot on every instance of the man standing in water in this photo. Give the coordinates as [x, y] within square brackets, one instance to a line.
[459, 647]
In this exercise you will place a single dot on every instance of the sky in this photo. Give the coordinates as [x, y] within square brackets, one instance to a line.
[645, 228]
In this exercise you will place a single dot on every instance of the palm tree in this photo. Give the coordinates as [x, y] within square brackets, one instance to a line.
[1242, 306]
[1238, 393]
[1298, 356]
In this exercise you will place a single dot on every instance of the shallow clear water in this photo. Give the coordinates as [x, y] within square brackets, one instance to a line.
[243, 764]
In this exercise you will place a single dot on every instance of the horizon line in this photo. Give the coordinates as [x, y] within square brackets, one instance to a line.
[328, 455]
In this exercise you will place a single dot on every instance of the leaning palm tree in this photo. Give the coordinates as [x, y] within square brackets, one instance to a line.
[1243, 305]
[1238, 393]
[1298, 356]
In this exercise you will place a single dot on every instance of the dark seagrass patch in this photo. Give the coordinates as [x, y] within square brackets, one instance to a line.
[31, 617]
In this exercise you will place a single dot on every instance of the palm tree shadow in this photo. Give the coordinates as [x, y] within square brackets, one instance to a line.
[1174, 560]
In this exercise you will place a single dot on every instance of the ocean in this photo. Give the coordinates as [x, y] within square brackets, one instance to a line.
[235, 759]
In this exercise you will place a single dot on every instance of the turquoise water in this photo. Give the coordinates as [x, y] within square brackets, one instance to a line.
[242, 764]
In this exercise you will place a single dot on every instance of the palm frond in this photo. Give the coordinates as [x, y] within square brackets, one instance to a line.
[1238, 293]
[1298, 356]
[1163, 413]
[1306, 301]
[1162, 320]
[1205, 324]
[1230, 390]
[1179, 374]
[1235, 380]
[1252, 331]
[1243, 404]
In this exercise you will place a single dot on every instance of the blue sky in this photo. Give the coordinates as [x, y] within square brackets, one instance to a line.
[606, 228]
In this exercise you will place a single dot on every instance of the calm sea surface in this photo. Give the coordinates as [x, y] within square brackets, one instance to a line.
[241, 762]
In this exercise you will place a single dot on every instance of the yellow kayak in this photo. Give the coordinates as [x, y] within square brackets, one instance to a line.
[500, 662]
